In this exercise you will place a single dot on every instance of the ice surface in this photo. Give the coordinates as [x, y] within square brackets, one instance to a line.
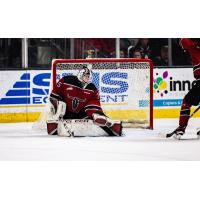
[19, 142]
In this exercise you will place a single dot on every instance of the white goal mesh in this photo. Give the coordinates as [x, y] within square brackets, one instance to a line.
[125, 87]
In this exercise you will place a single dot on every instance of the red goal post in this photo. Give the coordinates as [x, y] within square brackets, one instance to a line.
[111, 75]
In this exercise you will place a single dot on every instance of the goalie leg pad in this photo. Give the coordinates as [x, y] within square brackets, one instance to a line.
[59, 127]
[114, 130]
[65, 129]
[52, 126]
[115, 126]
[100, 120]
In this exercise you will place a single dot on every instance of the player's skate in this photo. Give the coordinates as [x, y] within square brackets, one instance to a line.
[177, 133]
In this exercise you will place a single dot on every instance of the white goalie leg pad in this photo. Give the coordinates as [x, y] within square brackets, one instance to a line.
[85, 127]
[114, 125]
[65, 129]
[102, 120]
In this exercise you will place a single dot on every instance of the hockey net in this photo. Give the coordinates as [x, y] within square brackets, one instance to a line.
[125, 87]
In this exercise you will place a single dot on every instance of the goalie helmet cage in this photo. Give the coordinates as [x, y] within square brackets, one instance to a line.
[126, 84]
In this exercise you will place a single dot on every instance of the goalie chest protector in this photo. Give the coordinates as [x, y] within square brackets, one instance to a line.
[71, 90]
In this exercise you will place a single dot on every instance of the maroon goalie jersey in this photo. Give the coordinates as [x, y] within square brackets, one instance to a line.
[79, 99]
[194, 50]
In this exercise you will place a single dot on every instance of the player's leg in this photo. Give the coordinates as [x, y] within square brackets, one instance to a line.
[190, 99]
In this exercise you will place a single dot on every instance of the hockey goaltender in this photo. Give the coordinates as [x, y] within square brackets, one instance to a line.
[75, 108]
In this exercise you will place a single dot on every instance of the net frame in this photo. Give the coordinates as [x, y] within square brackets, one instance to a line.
[109, 60]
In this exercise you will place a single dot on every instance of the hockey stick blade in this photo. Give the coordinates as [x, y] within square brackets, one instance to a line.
[190, 137]
[163, 135]
[168, 135]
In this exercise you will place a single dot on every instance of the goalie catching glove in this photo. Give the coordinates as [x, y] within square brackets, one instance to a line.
[56, 111]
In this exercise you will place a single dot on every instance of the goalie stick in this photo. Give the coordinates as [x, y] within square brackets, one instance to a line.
[198, 133]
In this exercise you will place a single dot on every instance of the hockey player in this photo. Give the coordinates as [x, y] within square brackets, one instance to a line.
[192, 98]
[75, 97]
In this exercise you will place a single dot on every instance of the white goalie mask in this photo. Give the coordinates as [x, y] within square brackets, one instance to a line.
[85, 74]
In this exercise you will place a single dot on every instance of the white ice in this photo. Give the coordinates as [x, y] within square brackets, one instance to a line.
[19, 142]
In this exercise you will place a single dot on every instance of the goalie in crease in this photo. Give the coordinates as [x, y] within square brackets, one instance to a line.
[75, 97]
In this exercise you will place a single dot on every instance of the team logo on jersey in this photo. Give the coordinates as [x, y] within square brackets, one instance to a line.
[75, 101]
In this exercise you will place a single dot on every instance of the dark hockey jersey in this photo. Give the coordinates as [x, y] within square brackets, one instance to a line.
[77, 97]
[193, 48]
